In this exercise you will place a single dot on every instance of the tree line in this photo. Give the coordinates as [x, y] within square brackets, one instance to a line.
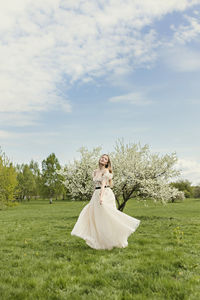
[25, 181]
[137, 174]
[186, 186]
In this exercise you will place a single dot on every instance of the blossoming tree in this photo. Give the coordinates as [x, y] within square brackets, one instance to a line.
[78, 175]
[137, 173]
[140, 174]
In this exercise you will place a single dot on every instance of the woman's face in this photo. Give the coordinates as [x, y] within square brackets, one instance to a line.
[104, 159]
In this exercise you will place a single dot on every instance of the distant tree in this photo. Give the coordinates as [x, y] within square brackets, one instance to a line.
[52, 182]
[26, 182]
[8, 180]
[185, 186]
[196, 191]
[34, 167]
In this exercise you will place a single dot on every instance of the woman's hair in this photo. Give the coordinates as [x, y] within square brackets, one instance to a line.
[107, 166]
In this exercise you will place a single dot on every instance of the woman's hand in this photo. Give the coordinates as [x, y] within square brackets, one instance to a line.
[101, 200]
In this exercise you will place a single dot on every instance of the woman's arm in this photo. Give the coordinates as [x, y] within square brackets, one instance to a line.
[103, 182]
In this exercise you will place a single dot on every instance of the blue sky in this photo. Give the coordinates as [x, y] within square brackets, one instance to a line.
[84, 73]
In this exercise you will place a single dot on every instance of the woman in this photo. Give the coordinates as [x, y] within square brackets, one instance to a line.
[100, 223]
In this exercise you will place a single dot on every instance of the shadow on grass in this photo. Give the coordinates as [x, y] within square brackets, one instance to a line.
[154, 218]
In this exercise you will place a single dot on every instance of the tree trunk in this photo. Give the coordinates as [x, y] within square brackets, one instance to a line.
[126, 197]
[117, 201]
[121, 206]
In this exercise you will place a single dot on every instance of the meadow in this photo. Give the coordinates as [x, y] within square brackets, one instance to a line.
[41, 260]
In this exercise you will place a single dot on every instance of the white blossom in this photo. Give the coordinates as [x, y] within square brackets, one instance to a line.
[78, 175]
[137, 173]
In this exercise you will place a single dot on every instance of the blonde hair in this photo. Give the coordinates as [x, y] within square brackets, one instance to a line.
[107, 166]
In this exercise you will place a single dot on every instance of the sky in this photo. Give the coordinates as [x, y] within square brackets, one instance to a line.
[85, 73]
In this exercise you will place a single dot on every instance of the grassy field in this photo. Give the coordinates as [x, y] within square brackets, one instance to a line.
[41, 260]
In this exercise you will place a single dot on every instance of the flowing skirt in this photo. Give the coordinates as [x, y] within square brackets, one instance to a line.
[103, 226]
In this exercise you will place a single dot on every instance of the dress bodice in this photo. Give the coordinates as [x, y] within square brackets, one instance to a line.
[98, 178]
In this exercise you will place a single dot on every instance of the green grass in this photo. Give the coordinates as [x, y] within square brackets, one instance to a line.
[41, 260]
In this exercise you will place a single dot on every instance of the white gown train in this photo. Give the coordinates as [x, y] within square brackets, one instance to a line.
[103, 226]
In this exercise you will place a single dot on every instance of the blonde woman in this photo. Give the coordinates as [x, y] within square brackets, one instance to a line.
[100, 223]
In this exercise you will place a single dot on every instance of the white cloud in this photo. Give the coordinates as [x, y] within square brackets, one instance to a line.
[10, 135]
[136, 98]
[19, 119]
[182, 59]
[186, 33]
[5, 134]
[178, 54]
[190, 169]
[46, 46]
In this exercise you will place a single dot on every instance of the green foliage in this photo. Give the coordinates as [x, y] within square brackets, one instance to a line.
[41, 260]
[196, 191]
[52, 182]
[185, 186]
[34, 167]
[8, 180]
[26, 183]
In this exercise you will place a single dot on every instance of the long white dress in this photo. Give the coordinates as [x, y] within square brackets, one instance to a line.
[103, 226]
